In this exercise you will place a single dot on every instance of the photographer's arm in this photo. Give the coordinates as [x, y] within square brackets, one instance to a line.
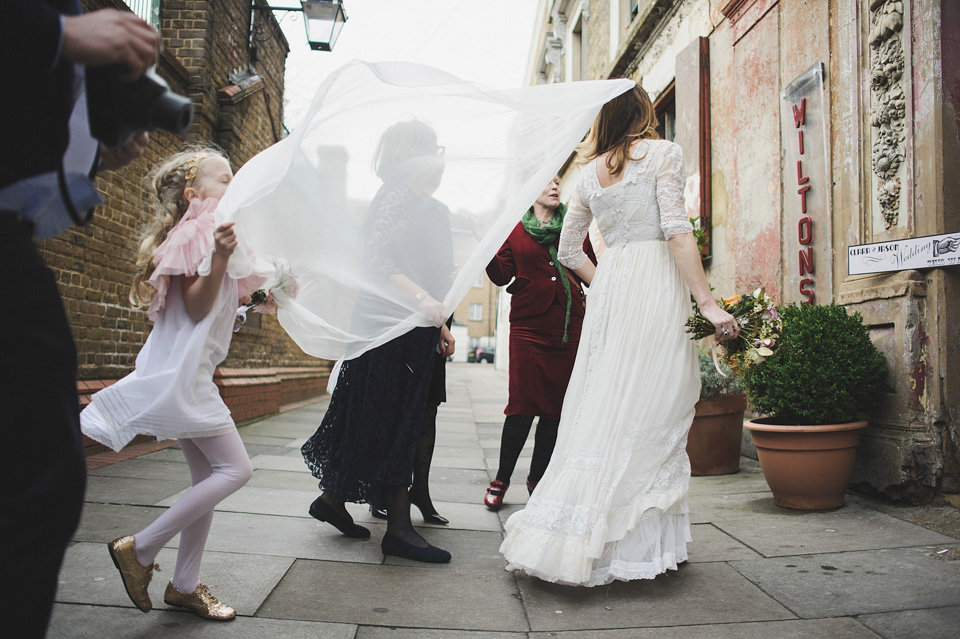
[113, 37]
[29, 34]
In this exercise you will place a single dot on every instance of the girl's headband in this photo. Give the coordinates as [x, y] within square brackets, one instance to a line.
[190, 172]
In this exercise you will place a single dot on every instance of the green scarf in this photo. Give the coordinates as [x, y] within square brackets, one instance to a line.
[548, 236]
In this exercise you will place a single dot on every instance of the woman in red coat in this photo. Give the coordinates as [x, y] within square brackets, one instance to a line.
[546, 312]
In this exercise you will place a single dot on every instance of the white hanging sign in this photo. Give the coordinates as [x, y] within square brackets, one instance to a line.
[930, 251]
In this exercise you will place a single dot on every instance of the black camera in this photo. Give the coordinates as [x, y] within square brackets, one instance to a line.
[118, 109]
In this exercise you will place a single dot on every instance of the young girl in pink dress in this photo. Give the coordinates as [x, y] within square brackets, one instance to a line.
[171, 395]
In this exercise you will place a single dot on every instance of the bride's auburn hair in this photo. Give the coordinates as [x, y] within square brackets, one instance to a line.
[621, 122]
[166, 184]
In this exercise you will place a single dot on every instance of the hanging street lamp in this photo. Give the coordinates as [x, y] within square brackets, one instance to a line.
[323, 20]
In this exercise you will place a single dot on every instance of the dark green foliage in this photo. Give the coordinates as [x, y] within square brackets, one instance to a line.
[712, 383]
[825, 370]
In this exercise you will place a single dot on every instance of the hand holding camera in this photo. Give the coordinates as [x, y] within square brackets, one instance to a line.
[120, 109]
[124, 96]
[111, 36]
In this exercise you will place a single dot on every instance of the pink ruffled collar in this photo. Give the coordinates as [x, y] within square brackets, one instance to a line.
[181, 252]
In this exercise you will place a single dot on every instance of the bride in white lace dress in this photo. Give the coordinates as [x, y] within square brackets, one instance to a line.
[613, 502]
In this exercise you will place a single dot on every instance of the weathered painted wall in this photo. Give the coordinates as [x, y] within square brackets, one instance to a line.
[754, 228]
[910, 450]
[948, 288]
[688, 21]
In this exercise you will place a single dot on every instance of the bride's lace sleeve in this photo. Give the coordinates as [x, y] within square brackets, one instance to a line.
[576, 223]
[670, 183]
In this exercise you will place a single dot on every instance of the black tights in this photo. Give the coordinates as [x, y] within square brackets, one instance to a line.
[514, 436]
[397, 500]
[420, 490]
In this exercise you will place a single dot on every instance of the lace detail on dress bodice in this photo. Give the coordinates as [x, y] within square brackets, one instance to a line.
[646, 204]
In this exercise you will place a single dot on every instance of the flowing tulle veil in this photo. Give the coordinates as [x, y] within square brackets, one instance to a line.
[306, 199]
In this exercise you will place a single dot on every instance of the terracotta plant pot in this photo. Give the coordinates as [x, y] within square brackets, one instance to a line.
[806, 467]
[715, 435]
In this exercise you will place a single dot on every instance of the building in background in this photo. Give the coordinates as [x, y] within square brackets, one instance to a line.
[230, 61]
[810, 128]
[475, 320]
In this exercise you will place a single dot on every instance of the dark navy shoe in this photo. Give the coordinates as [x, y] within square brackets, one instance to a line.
[392, 545]
[322, 511]
[379, 513]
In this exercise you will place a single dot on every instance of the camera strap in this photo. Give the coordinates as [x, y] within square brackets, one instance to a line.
[68, 200]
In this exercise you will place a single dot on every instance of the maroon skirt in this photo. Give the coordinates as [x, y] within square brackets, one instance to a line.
[541, 363]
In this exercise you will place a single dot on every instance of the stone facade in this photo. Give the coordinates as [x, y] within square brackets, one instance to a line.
[890, 149]
[205, 43]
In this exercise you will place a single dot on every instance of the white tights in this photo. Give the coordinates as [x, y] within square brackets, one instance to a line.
[219, 466]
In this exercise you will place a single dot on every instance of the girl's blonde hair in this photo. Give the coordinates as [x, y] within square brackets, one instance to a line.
[167, 183]
[623, 120]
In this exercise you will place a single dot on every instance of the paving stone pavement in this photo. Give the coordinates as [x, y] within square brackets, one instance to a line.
[756, 571]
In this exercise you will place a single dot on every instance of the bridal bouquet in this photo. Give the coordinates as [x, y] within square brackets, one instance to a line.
[760, 328]
[279, 288]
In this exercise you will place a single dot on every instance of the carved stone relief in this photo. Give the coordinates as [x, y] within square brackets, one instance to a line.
[551, 69]
[888, 107]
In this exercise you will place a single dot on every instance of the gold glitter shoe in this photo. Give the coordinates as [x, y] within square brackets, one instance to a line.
[135, 577]
[201, 602]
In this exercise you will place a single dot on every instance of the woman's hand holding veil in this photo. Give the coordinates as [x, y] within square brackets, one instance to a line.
[432, 309]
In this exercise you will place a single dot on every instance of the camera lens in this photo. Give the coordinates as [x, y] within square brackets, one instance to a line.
[171, 112]
[119, 109]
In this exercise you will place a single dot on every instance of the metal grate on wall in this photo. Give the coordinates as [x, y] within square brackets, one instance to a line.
[149, 10]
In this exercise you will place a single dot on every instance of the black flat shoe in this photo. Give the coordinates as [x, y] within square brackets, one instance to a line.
[379, 513]
[392, 545]
[429, 513]
[322, 511]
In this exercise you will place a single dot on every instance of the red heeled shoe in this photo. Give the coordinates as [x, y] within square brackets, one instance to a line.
[531, 485]
[495, 492]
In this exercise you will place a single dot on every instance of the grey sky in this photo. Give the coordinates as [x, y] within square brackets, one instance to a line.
[486, 42]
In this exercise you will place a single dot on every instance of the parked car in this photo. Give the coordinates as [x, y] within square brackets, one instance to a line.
[481, 354]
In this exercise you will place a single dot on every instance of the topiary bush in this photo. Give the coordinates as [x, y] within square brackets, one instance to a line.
[712, 383]
[825, 369]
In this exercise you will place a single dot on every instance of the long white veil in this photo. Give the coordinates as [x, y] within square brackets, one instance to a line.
[369, 239]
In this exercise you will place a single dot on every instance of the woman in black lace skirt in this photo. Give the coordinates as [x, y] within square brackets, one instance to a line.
[365, 447]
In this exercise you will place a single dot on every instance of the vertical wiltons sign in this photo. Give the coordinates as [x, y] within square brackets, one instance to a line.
[807, 252]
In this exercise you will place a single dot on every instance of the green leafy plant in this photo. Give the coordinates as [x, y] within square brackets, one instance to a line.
[712, 382]
[699, 234]
[825, 369]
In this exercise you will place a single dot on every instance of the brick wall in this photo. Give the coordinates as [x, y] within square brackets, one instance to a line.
[204, 42]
